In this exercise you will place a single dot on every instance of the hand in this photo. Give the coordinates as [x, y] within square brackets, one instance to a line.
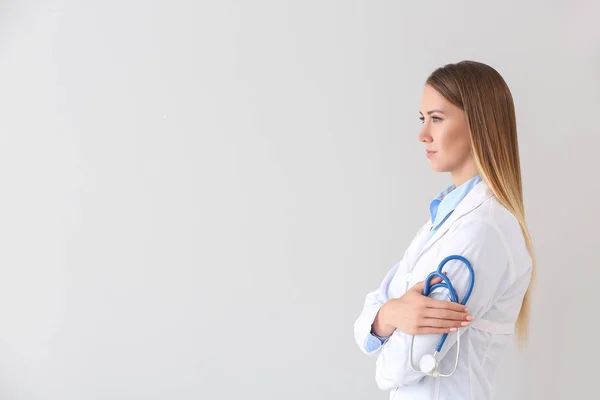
[416, 314]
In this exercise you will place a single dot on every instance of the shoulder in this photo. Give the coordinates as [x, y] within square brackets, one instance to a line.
[478, 232]
[490, 216]
[491, 226]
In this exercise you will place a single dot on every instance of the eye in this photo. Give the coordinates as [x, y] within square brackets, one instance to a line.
[434, 118]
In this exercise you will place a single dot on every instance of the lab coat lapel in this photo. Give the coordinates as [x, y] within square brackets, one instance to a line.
[480, 193]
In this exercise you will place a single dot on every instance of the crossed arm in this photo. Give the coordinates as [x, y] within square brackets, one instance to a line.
[477, 241]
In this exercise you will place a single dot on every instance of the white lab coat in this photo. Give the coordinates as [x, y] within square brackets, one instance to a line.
[487, 234]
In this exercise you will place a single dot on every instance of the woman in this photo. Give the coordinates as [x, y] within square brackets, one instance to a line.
[469, 130]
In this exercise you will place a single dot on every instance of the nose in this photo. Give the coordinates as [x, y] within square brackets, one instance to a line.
[424, 135]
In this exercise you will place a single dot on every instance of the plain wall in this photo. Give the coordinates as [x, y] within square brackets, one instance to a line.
[197, 196]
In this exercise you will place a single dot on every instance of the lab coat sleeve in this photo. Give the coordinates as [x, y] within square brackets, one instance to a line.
[484, 247]
[368, 343]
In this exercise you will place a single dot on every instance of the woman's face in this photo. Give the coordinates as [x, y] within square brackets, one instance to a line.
[445, 134]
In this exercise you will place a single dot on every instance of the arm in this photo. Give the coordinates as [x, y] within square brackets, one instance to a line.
[369, 343]
[370, 332]
[481, 244]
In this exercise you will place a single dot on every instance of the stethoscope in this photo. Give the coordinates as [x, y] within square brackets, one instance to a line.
[429, 363]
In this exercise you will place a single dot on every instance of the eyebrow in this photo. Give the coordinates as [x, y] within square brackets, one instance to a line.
[432, 111]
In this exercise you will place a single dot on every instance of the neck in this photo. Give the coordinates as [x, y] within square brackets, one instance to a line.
[464, 174]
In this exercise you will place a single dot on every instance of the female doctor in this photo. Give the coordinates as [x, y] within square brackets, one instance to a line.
[469, 130]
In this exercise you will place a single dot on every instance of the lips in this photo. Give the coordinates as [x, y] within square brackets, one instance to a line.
[430, 153]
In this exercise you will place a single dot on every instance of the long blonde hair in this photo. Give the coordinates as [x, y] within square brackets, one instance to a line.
[481, 92]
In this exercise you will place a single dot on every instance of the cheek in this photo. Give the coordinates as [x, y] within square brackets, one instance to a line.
[457, 140]
[454, 144]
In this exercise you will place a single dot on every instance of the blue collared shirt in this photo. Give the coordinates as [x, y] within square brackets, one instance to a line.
[446, 202]
[440, 208]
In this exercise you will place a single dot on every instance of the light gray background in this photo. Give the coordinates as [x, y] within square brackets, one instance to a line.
[196, 196]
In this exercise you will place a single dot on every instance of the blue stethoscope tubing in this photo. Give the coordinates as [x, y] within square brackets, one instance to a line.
[446, 284]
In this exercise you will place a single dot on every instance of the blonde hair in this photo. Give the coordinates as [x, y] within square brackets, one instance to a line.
[483, 95]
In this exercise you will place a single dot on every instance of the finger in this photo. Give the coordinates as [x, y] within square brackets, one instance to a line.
[443, 323]
[429, 331]
[445, 305]
[420, 286]
[435, 280]
[446, 314]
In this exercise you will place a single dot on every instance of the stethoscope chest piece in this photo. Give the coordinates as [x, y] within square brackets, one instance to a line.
[428, 364]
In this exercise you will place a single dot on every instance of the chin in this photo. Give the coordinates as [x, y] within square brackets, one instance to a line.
[439, 168]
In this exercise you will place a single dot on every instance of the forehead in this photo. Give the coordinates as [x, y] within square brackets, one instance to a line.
[431, 99]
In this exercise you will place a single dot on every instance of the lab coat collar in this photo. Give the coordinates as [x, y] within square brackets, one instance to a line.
[480, 193]
[446, 202]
